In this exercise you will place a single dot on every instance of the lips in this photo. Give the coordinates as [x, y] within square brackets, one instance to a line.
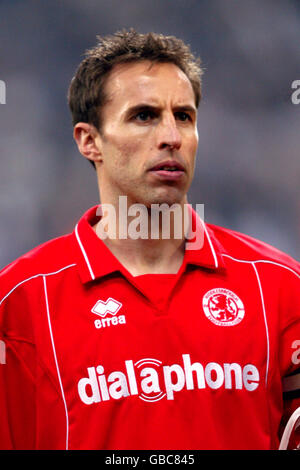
[169, 165]
[169, 170]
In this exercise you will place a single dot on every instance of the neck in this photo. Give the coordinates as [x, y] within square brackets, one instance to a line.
[145, 240]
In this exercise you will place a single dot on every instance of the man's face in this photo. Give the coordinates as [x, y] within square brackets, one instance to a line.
[149, 136]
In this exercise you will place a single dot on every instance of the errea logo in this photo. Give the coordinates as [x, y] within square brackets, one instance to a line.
[108, 310]
[111, 306]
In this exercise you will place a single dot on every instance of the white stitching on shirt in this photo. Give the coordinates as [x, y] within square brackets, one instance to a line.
[32, 277]
[260, 287]
[265, 320]
[84, 253]
[211, 245]
[56, 362]
[261, 261]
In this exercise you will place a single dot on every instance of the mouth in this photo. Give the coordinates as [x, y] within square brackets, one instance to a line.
[168, 170]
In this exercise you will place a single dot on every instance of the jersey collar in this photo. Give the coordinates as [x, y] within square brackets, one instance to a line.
[95, 260]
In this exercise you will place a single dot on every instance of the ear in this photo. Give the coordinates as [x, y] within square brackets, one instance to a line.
[88, 141]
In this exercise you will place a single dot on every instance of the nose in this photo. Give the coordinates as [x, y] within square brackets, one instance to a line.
[168, 135]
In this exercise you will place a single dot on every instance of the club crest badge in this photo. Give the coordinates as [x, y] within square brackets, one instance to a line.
[223, 307]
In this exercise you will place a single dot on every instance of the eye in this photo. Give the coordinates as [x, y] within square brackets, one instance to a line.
[145, 115]
[183, 116]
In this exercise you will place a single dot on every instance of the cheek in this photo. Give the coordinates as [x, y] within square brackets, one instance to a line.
[194, 146]
[195, 138]
[116, 155]
[130, 153]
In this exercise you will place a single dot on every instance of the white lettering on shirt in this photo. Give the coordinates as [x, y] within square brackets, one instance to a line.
[156, 381]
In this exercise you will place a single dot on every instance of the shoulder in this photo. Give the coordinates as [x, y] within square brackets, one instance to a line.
[47, 258]
[244, 248]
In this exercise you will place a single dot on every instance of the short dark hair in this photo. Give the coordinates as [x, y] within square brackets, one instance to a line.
[86, 93]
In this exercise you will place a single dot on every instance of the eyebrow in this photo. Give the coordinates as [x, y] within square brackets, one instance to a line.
[150, 107]
[186, 107]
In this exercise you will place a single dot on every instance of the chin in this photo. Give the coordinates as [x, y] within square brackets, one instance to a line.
[166, 199]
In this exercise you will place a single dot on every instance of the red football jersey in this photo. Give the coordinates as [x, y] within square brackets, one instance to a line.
[95, 358]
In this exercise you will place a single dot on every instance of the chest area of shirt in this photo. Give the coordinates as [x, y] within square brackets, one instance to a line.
[111, 343]
[210, 317]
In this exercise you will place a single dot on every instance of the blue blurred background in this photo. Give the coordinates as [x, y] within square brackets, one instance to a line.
[248, 168]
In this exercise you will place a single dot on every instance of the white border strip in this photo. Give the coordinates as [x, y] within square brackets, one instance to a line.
[33, 277]
[262, 261]
[210, 244]
[265, 320]
[84, 253]
[263, 305]
[56, 363]
[253, 262]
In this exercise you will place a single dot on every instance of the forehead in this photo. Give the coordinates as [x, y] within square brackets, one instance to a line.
[145, 80]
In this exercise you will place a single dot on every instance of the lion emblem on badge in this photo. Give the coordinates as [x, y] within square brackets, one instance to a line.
[223, 307]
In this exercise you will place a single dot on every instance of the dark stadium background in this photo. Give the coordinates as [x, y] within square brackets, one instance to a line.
[248, 170]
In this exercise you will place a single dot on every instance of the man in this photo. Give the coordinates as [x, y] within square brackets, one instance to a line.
[115, 341]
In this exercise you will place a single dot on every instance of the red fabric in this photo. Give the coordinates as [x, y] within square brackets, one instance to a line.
[187, 361]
